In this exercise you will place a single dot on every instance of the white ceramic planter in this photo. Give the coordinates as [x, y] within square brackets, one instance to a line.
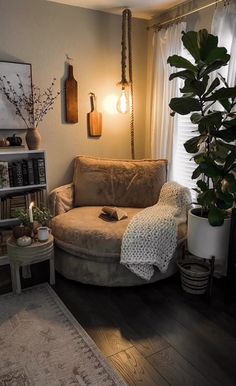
[206, 241]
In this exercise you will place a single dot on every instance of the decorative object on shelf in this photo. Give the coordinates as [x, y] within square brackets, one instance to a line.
[4, 175]
[94, 118]
[23, 241]
[31, 105]
[43, 233]
[42, 215]
[21, 230]
[125, 102]
[212, 147]
[14, 140]
[4, 142]
[33, 138]
[31, 220]
[34, 214]
[71, 94]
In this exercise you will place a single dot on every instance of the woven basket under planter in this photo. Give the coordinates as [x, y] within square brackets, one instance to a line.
[194, 275]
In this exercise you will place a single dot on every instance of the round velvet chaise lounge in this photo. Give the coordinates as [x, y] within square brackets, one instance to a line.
[87, 247]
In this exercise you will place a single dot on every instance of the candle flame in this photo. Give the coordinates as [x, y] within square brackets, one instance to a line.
[31, 204]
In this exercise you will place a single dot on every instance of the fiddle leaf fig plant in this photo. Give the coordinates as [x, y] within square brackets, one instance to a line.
[212, 105]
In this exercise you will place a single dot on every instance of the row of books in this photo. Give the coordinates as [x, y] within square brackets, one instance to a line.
[10, 203]
[22, 173]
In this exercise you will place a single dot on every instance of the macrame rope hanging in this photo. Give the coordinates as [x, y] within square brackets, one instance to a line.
[126, 43]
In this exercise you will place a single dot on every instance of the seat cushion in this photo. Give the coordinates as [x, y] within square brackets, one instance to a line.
[127, 183]
[82, 233]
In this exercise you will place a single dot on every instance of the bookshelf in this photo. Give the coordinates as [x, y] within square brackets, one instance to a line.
[23, 178]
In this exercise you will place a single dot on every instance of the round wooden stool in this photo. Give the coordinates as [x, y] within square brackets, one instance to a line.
[24, 256]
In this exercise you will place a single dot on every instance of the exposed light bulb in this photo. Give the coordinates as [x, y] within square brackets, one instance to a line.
[123, 102]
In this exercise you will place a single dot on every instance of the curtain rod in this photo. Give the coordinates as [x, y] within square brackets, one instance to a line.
[157, 25]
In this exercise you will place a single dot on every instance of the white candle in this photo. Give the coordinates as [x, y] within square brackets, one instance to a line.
[31, 212]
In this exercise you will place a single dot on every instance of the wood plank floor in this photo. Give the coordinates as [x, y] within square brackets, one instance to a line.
[153, 335]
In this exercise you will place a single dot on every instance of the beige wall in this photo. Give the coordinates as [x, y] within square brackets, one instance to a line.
[42, 33]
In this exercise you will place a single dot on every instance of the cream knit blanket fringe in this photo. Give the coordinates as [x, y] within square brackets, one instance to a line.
[151, 236]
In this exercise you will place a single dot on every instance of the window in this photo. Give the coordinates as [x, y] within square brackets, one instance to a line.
[182, 164]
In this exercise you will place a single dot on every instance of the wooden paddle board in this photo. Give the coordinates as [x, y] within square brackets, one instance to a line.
[94, 118]
[71, 90]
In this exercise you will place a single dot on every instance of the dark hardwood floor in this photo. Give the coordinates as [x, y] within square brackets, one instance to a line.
[153, 335]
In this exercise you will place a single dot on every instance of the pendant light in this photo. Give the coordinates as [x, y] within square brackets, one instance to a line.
[125, 101]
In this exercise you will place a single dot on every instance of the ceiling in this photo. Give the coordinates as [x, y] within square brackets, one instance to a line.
[144, 9]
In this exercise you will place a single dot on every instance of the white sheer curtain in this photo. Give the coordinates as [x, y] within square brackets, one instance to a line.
[166, 42]
[224, 26]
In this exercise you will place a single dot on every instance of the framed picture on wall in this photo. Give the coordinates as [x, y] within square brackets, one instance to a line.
[19, 76]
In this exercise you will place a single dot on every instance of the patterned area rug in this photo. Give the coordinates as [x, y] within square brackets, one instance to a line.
[42, 344]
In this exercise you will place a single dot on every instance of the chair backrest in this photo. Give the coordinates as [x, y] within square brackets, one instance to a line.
[123, 183]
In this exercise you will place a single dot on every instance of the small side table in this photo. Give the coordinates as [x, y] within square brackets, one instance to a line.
[24, 256]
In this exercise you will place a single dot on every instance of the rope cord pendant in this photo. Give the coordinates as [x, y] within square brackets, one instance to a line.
[126, 38]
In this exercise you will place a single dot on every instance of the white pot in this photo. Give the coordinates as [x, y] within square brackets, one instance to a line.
[205, 240]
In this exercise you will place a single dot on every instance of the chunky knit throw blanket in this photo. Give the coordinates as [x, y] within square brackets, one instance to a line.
[151, 236]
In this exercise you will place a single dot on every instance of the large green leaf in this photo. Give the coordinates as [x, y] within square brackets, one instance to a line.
[180, 62]
[202, 185]
[214, 66]
[230, 123]
[190, 42]
[214, 84]
[224, 200]
[210, 168]
[216, 216]
[199, 158]
[227, 145]
[217, 54]
[231, 186]
[185, 74]
[196, 173]
[207, 198]
[197, 87]
[195, 118]
[192, 145]
[207, 43]
[229, 160]
[228, 135]
[222, 93]
[210, 121]
[226, 104]
[184, 105]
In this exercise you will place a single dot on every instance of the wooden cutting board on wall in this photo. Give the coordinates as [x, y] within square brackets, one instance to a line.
[71, 91]
[94, 118]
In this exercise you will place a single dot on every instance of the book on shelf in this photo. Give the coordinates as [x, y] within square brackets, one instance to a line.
[36, 172]
[41, 171]
[24, 165]
[30, 171]
[17, 173]
[10, 172]
[10, 203]
[4, 175]
[22, 173]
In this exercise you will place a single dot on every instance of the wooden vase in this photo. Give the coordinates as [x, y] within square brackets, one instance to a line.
[33, 138]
